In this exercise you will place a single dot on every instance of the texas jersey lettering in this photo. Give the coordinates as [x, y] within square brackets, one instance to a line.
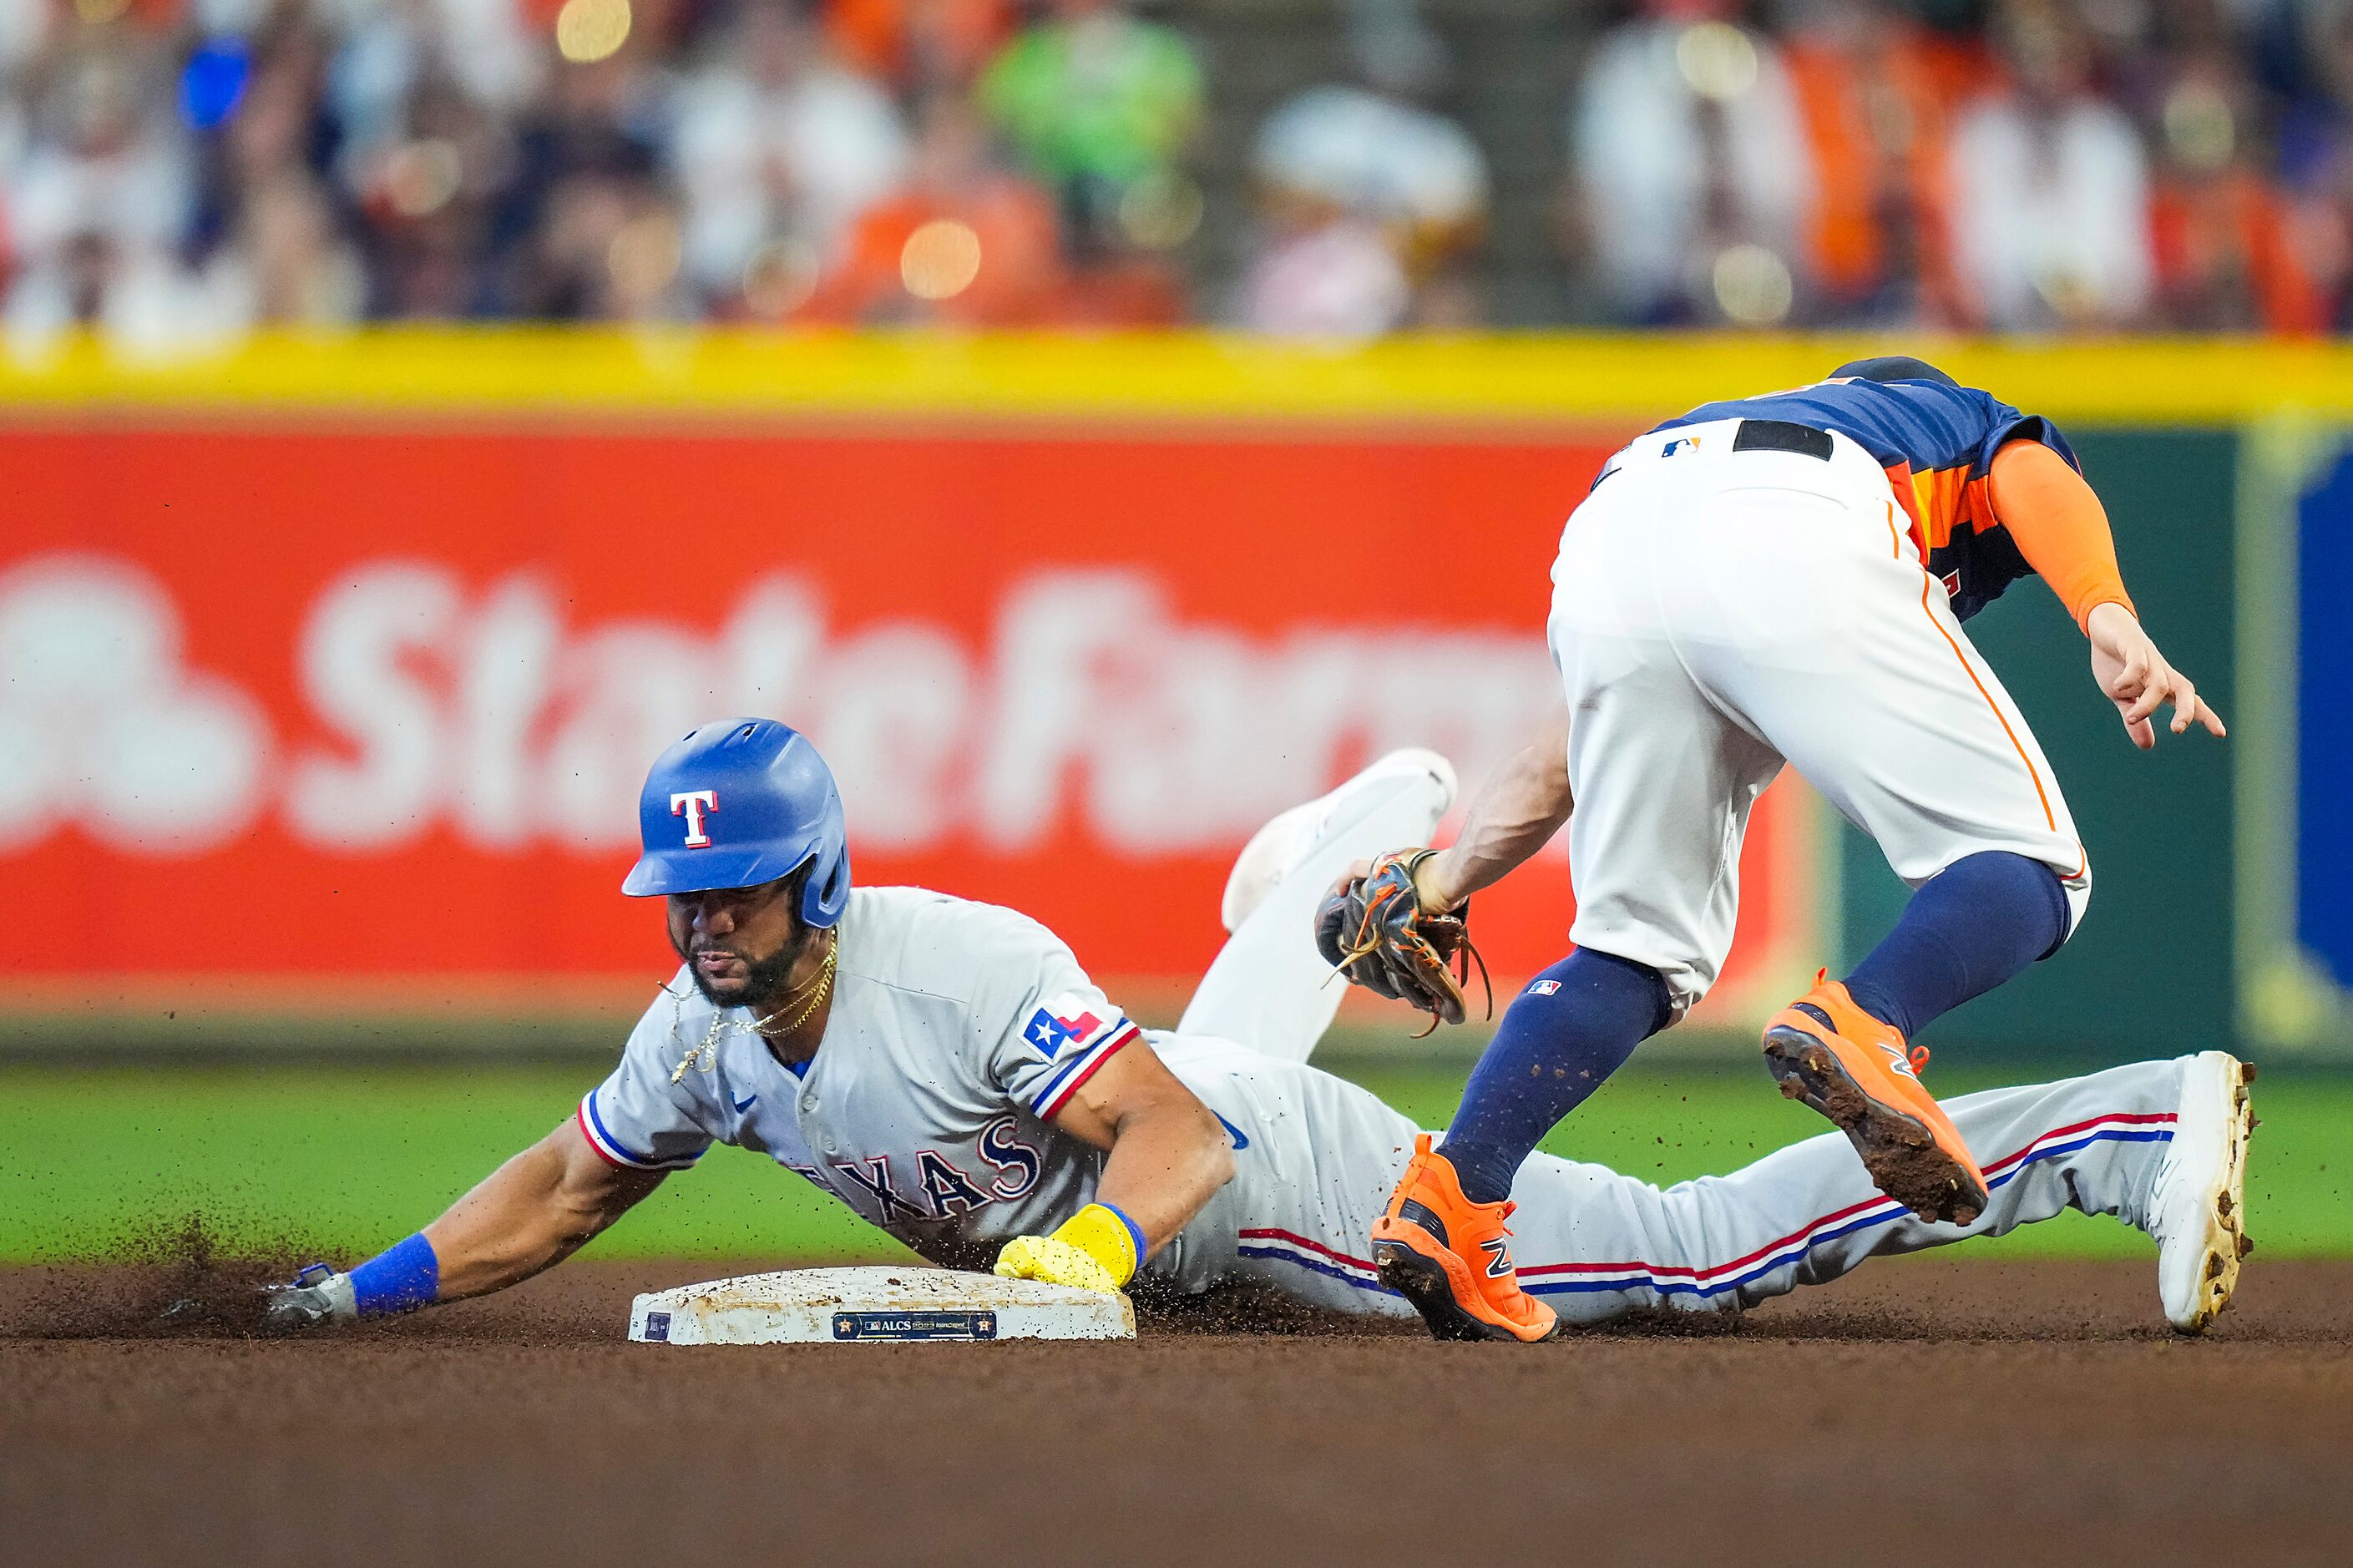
[959, 1031]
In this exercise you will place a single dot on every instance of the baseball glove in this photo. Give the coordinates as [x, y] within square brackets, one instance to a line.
[1375, 932]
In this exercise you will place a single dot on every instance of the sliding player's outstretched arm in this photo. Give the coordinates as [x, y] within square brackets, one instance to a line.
[1168, 1152]
[529, 1215]
[1168, 1156]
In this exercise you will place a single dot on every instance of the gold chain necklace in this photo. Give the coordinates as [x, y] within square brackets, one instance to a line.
[705, 1055]
[817, 997]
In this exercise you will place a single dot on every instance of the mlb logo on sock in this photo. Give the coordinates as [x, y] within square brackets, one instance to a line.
[1544, 988]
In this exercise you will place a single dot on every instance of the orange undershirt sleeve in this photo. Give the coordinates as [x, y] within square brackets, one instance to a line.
[2059, 525]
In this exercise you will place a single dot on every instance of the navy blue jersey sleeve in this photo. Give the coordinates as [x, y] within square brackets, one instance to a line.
[2005, 425]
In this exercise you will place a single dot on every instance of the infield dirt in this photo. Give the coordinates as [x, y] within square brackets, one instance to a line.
[1929, 1410]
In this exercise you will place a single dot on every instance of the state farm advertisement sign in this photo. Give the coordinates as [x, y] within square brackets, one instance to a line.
[365, 709]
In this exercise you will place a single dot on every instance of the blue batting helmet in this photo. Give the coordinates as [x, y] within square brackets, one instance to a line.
[739, 803]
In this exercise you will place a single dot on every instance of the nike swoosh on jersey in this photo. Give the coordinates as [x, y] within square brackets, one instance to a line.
[745, 1104]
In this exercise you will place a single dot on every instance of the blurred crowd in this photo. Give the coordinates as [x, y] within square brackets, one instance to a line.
[2032, 165]
[177, 171]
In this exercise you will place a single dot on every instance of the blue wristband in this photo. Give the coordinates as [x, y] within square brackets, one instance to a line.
[396, 1281]
[1134, 1232]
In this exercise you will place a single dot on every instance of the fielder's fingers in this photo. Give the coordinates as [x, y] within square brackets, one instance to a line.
[2152, 692]
[2211, 719]
[2143, 734]
[2185, 704]
[1356, 872]
[2133, 677]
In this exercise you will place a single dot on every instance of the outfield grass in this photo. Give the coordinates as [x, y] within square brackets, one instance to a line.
[345, 1161]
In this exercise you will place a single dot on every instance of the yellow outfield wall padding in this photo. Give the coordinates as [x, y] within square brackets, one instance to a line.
[1183, 376]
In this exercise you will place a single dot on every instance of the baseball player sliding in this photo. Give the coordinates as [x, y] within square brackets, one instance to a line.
[947, 1070]
[1776, 579]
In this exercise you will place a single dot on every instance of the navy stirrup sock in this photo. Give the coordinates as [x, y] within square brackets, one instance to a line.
[1571, 1029]
[1970, 927]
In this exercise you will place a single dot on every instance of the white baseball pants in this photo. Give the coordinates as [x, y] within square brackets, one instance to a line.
[1268, 988]
[1322, 1155]
[1316, 1157]
[1718, 612]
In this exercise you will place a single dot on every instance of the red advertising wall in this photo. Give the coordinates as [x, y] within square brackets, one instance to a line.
[314, 709]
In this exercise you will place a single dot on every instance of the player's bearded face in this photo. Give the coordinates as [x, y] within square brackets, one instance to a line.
[739, 944]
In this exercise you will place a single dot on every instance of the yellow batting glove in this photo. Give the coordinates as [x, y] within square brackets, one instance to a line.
[1099, 1250]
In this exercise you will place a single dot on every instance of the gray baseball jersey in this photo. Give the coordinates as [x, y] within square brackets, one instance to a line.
[958, 1031]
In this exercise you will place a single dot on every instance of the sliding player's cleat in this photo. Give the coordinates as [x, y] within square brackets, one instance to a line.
[1453, 1258]
[1838, 1059]
[2198, 1212]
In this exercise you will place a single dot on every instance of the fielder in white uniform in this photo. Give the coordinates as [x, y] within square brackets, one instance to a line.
[1772, 580]
[944, 1104]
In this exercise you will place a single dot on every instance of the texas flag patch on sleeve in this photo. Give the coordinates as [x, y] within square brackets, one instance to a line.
[1077, 1035]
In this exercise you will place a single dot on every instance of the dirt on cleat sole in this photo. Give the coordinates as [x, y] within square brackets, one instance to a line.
[2220, 1278]
[2227, 1241]
[1899, 1151]
[1422, 1282]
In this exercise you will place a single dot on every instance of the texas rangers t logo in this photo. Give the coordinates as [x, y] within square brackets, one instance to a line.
[691, 804]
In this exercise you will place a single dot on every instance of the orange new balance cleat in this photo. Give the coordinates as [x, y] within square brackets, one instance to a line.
[1837, 1058]
[1423, 1243]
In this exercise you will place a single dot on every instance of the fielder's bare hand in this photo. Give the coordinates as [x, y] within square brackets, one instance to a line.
[2133, 674]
